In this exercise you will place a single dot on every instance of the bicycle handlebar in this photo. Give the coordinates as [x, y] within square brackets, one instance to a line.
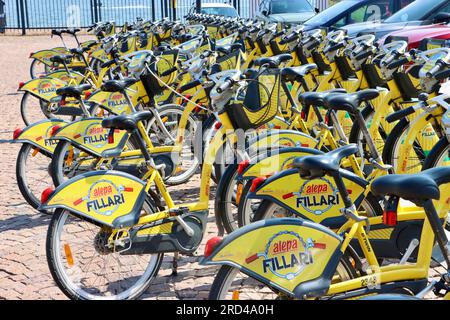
[439, 65]
[170, 71]
[398, 63]
[225, 85]
[190, 85]
[400, 114]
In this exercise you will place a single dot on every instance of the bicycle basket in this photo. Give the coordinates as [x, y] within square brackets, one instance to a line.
[165, 62]
[260, 103]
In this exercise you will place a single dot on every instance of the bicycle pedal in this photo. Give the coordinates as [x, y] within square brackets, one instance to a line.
[178, 211]
[442, 285]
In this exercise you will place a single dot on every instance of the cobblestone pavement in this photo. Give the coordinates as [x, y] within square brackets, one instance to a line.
[24, 273]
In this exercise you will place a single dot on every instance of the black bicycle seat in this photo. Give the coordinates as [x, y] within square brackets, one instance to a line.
[350, 102]
[297, 73]
[57, 32]
[63, 58]
[275, 61]
[73, 31]
[313, 167]
[318, 98]
[78, 51]
[417, 186]
[73, 91]
[227, 49]
[126, 122]
[117, 85]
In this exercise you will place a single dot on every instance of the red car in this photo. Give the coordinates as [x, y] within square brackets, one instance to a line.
[415, 35]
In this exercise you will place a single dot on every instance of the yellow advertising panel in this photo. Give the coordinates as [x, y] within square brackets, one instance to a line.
[283, 254]
[45, 55]
[282, 138]
[38, 133]
[103, 196]
[44, 88]
[114, 102]
[64, 76]
[89, 135]
[315, 200]
[273, 164]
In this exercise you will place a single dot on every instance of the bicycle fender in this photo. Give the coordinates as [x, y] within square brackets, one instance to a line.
[43, 88]
[88, 43]
[45, 55]
[272, 139]
[111, 198]
[115, 102]
[89, 135]
[100, 55]
[292, 255]
[38, 133]
[64, 76]
[316, 200]
[275, 161]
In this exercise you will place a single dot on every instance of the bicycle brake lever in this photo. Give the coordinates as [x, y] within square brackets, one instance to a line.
[349, 213]
[385, 167]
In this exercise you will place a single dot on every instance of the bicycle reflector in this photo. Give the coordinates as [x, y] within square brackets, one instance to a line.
[256, 183]
[390, 217]
[218, 125]
[111, 136]
[303, 115]
[242, 166]
[211, 245]
[17, 133]
[87, 95]
[390, 211]
[54, 130]
[46, 194]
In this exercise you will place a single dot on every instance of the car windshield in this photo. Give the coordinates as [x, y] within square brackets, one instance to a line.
[220, 11]
[416, 11]
[331, 13]
[290, 6]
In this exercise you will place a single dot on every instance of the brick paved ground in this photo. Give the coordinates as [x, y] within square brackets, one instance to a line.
[23, 268]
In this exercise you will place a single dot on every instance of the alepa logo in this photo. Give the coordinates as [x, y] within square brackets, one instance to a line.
[103, 197]
[94, 135]
[317, 196]
[49, 143]
[287, 164]
[117, 101]
[286, 254]
[45, 87]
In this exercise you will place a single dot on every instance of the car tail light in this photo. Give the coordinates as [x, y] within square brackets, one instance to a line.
[21, 84]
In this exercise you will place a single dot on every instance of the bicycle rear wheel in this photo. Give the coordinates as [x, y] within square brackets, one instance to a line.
[231, 284]
[32, 174]
[85, 268]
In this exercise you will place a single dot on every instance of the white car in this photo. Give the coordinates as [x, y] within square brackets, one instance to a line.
[219, 9]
